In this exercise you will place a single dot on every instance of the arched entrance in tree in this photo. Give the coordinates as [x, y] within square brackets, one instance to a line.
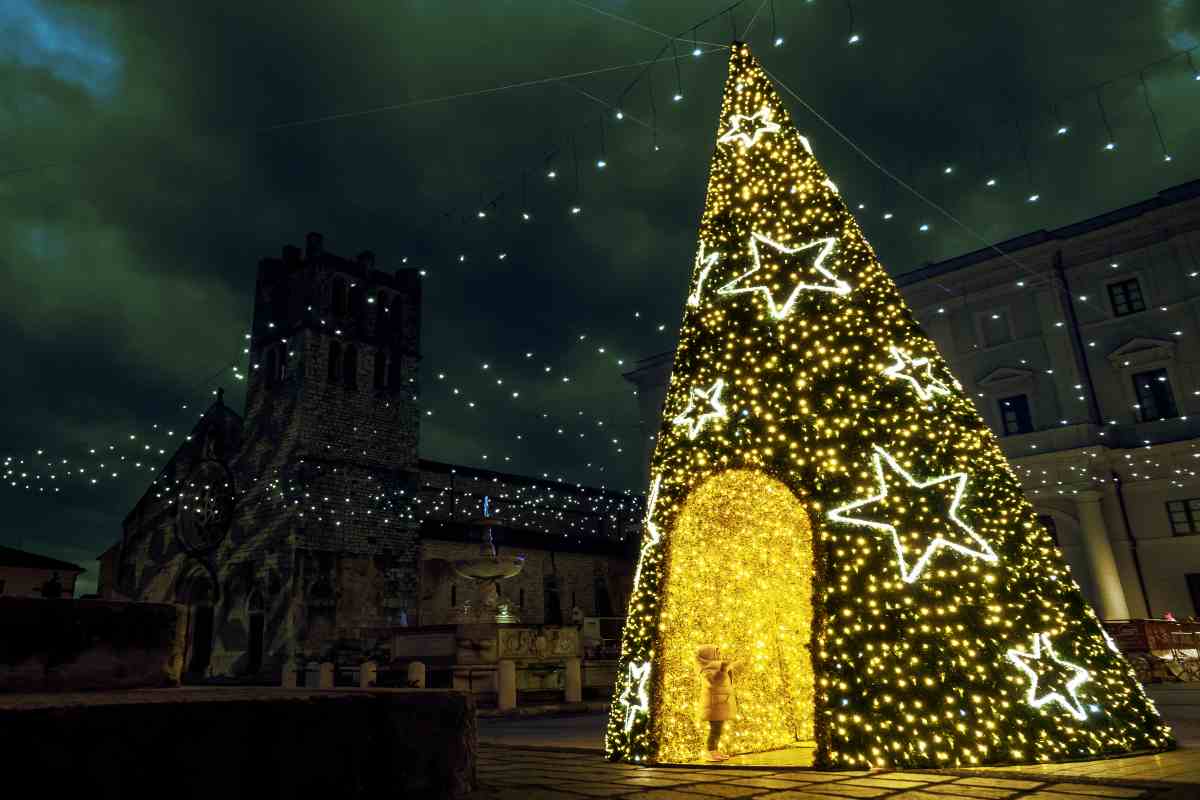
[739, 567]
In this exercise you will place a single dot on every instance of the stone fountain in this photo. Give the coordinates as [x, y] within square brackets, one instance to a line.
[486, 572]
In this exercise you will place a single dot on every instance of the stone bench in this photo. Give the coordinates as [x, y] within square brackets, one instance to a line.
[241, 742]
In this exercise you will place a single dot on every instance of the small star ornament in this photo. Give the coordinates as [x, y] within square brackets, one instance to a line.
[635, 698]
[709, 398]
[655, 535]
[704, 263]
[749, 129]
[918, 372]
[925, 539]
[818, 250]
[1051, 679]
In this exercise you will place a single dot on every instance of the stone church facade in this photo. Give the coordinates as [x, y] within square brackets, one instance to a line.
[311, 525]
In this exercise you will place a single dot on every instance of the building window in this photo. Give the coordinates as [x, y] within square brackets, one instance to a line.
[341, 303]
[358, 300]
[350, 367]
[453, 595]
[520, 596]
[1014, 414]
[1193, 584]
[335, 362]
[1, 587]
[1126, 297]
[380, 369]
[994, 328]
[1050, 525]
[1185, 516]
[1155, 399]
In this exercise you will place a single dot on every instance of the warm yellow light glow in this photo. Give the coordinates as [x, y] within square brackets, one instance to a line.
[738, 575]
[928, 579]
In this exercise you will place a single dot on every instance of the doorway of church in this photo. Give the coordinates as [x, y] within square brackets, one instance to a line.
[739, 570]
[256, 614]
[200, 627]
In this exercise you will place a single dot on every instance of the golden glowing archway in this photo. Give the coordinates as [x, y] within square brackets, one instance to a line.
[739, 567]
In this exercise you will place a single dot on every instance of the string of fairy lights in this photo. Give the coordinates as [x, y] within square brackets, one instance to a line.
[685, 48]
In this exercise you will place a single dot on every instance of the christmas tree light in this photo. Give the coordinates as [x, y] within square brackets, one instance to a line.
[828, 507]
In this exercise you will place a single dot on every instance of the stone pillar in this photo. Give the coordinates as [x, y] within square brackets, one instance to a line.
[1110, 597]
[506, 697]
[290, 668]
[326, 679]
[368, 674]
[416, 675]
[574, 680]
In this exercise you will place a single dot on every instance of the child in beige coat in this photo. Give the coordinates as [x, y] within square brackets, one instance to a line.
[718, 702]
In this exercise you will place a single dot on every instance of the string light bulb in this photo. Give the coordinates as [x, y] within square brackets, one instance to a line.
[854, 38]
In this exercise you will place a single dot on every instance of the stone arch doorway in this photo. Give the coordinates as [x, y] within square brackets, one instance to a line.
[199, 597]
[739, 567]
[256, 619]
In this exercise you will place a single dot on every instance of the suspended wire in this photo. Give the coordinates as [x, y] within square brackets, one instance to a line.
[902, 183]
[460, 95]
[753, 19]
[1112, 141]
[678, 76]
[633, 22]
[1154, 118]
[776, 39]
[732, 22]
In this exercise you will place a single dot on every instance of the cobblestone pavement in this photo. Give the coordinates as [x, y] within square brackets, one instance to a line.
[512, 773]
[560, 757]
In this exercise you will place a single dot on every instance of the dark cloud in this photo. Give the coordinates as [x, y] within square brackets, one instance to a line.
[143, 176]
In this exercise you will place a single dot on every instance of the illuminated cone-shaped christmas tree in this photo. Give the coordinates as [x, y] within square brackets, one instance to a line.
[827, 507]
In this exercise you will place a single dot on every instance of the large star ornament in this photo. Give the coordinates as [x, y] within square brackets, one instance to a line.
[1048, 676]
[918, 372]
[934, 537]
[636, 698]
[693, 417]
[749, 129]
[820, 250]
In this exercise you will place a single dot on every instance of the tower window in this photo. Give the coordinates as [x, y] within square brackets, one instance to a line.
[1014, 414]
[357, 301]
[381, 314]
[350, 367]
[396, 317]
[335, 362]
[395, 371]
[1155, 399]
[272, 367]
[340, 302]
[380, 369]
[1126, 297]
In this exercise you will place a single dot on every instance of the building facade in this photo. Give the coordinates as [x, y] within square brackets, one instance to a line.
[310, 524]
[1081, 348]
[25, 574]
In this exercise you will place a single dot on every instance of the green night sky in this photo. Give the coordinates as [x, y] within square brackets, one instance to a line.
[146, 166]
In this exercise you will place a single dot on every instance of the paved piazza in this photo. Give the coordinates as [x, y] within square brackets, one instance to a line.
[559, 757]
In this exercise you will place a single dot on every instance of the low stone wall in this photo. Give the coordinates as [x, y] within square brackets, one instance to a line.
[69, 645]
[242, 743]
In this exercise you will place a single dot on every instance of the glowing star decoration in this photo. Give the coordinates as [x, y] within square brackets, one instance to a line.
[636, 699]
[704, 262]
[696, 421]
[651, 528]
[936, 541]
[1043, 666]
[918, 372]
[822, 247]
[749, 129]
